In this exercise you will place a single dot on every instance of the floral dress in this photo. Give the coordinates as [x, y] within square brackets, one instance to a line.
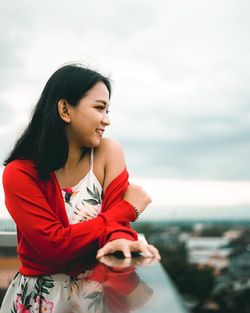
[60, 293]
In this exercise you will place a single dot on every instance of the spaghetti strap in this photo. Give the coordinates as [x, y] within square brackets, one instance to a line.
[91, 159]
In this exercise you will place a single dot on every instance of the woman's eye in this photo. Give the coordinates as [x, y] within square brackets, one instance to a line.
[103, 108]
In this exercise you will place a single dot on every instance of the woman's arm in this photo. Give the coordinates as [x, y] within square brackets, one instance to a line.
[114, 166]
[119, 240]
[42, 229]
[114, 160]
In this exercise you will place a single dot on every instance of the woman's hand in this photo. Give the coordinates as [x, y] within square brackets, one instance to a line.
[128, 246]
[113, 261]
[137, 197]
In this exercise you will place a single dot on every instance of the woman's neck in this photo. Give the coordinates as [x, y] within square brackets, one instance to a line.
[75, 155]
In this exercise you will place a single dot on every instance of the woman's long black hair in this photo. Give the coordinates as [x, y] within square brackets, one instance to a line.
[44, 140]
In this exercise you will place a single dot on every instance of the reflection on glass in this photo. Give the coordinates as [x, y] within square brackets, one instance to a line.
[111, 285]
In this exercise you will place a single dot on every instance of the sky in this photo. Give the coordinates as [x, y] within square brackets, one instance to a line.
[180, 73]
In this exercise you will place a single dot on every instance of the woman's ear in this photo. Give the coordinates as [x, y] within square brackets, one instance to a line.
[63, 110]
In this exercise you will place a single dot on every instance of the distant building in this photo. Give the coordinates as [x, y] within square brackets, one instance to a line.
[198, 227]
[168, 238]
[233, 234]
[184, 236]
[213, 252]
[240, 265]
[207, 243]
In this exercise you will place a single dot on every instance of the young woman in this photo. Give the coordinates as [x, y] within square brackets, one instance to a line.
[67, 189]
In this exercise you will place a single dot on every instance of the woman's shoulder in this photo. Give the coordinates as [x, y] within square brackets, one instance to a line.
[112, 152]
[19, 166]
[114, 159]
[108, 145]
[21, 163]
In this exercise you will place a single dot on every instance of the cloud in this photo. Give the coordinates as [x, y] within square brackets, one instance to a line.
[184, 159]
[180, 69]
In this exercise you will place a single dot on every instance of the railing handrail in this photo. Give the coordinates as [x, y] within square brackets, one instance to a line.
[8, 239]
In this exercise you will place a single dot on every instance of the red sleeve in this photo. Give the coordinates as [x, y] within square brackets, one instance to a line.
[41, 227]
[116, 231]
[127, 233]
[122, 228]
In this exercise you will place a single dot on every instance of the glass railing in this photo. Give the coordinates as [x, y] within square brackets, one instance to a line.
[8, 239]
[112, 285]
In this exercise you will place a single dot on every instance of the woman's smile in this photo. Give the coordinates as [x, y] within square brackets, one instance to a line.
[100, 131]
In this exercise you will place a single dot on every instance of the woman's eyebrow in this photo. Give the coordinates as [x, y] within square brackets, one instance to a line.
[102, 101]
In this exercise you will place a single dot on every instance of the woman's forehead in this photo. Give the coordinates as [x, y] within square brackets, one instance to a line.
[98, 92]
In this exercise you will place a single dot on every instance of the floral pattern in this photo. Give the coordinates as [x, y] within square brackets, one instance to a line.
[95, 196]
[83, 201]
[33, 301]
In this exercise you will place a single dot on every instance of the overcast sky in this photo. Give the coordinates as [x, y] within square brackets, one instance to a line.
[180, 72]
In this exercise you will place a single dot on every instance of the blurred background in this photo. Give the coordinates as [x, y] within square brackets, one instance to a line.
[180, 103]
[181, 97]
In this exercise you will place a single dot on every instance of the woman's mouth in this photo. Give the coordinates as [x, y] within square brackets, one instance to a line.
[100, 132]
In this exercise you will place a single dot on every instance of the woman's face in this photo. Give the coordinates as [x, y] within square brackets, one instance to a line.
[89, 119]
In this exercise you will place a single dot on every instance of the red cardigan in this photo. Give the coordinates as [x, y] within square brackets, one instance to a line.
[47, 243]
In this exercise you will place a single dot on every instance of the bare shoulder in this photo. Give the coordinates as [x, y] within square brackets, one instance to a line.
[112, 151]
[114, 159]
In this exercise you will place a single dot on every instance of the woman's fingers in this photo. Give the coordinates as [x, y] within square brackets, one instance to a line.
[145, 251]
[154, 251]
[112, 247]
[126, 247]
[139, 246]
[107, 249]
[126, 251]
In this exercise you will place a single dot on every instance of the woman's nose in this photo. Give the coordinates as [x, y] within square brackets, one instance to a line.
[106, 119]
